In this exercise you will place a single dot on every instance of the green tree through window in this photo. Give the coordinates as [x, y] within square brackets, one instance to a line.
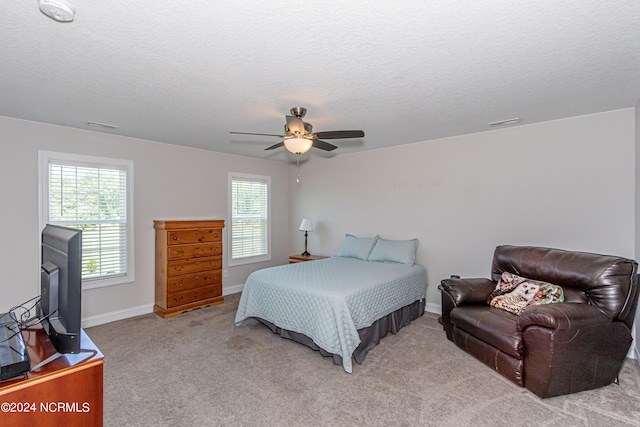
[94, 198]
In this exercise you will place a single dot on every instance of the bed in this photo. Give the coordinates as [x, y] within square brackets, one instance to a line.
[342, 305]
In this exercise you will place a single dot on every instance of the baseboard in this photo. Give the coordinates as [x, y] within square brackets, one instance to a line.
[112, 316]
[430, 307]
[233, 289]
[433, 308]
[100, 319]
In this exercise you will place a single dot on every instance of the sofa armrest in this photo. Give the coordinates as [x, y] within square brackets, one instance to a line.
[561, 316]
[570, 347]
[456, 292]
[468, 291]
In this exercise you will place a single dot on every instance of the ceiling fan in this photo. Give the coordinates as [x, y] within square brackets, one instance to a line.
[299, 136]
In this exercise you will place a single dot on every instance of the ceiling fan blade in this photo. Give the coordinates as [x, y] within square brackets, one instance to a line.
[263, 134]
[323, 145]
[337, 134]
[278, 145]
[294, 125]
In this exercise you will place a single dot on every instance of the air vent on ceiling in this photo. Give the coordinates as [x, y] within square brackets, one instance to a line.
[506, 122]
[102, 125]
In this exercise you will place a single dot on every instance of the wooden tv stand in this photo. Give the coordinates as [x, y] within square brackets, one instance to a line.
[65, 392]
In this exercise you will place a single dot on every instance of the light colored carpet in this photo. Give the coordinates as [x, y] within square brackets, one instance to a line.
[198, 369]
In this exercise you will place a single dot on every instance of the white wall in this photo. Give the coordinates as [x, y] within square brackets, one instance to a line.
[170, 182]
[637, 234]
[566, 183]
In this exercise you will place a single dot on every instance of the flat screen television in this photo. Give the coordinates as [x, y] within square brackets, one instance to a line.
[61, 287]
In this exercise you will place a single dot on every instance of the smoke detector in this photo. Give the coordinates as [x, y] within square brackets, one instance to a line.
[58, 10]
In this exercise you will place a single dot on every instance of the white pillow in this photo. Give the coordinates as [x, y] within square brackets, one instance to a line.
[356, 247]
[401, 251]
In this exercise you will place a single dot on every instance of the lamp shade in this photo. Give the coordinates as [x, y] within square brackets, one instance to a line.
[298, 145]
[306, 225]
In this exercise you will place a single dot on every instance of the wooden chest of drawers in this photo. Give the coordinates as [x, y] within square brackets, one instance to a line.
[188, 265]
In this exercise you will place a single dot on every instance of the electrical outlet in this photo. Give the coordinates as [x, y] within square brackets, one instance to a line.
[225, 273]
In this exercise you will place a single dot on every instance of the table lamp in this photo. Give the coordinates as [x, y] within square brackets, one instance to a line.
[306, 225]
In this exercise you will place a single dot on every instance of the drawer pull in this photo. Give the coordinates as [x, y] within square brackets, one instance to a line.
[178, 285]
[177, 299]
[175, 237]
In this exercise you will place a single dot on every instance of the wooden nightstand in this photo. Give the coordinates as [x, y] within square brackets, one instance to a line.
[302, 258]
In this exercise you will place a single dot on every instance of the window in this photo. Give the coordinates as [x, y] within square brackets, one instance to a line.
[249, 211]
[93, 194]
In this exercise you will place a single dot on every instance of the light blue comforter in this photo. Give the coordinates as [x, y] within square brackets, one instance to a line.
[328, 300]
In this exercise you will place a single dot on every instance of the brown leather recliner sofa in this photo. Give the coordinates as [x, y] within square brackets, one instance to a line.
[551, 349]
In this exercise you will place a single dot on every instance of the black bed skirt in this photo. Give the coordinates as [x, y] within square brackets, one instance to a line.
[369, 337]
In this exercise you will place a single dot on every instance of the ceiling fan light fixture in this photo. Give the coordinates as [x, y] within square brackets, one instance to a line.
[298, 145]
[58, 10]
[299, 138]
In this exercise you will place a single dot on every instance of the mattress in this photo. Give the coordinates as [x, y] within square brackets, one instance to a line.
[329, 300]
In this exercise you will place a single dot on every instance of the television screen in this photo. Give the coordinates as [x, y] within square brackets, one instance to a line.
[61, 286]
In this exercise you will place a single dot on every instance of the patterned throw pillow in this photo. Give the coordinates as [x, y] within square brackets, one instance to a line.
[514, 293]
[548, 294]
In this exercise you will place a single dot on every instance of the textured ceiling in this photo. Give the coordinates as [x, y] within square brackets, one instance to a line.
[188, 72]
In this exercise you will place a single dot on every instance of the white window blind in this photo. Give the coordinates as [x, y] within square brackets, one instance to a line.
[93, 198]
[249, 217]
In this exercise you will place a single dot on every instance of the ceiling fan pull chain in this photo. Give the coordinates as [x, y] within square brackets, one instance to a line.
[298, 167]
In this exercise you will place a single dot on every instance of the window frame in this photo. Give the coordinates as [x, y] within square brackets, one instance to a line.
[44, 158]
[249, 259]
